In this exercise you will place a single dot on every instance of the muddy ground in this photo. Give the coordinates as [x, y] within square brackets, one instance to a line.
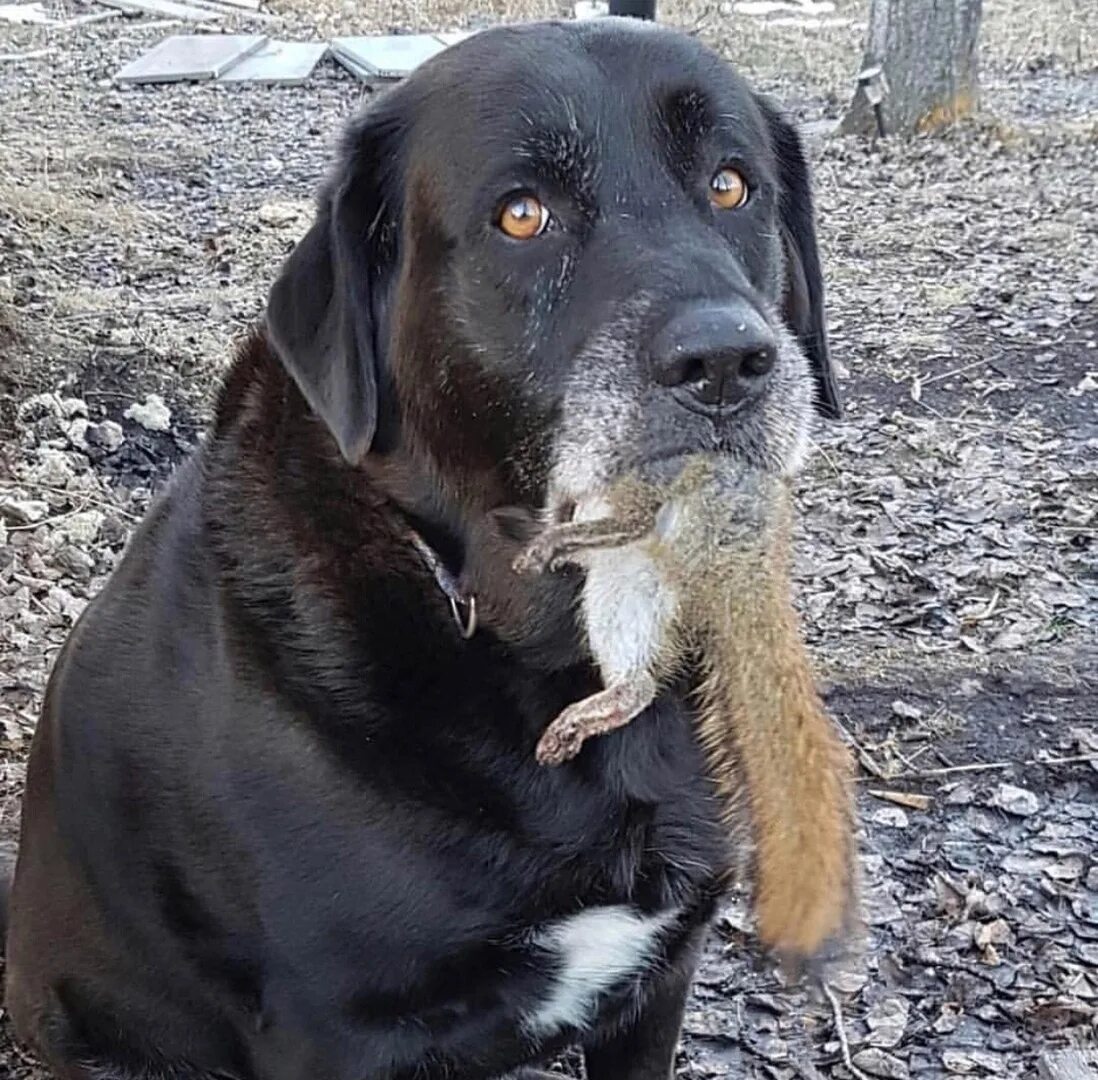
[946, 562]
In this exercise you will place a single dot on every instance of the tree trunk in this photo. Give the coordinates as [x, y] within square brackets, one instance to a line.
[920, 68]
[638, 9]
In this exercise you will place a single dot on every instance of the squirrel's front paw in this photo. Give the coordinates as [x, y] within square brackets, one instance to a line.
[536, 559]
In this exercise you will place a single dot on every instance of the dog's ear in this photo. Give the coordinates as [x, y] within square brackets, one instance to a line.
[323, 312]
[804, 287]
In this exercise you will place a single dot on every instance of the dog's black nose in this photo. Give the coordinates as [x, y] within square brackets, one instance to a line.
[720, 353]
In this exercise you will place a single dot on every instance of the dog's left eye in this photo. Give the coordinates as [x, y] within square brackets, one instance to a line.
[728, 189]
[522, 217]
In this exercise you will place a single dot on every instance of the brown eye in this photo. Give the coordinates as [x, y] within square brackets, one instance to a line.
[728, 189]
[523, 217]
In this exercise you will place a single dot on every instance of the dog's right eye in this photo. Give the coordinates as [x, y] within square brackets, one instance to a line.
[728, 189]
[522, 217]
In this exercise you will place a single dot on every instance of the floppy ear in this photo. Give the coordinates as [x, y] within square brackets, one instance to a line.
[804, 288]
[323, 311]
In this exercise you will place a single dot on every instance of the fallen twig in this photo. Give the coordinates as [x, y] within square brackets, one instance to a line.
[902, 798]
[30, 526]
[864, 757]
[89, 500]
[840, 1032]
[982, 766]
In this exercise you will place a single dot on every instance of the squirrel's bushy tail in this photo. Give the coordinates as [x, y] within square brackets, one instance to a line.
[775, 753]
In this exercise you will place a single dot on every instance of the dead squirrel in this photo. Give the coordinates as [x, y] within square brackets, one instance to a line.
[699, 567]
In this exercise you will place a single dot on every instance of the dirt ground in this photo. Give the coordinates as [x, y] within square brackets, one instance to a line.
[946, 564]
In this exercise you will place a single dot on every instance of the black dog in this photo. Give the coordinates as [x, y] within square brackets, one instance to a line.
[283, 817]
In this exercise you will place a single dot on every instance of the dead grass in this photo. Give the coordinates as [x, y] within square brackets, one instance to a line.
[1014, 33]
[42, 212]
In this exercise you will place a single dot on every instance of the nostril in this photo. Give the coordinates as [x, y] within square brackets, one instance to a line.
[694, 370]
[757, 362]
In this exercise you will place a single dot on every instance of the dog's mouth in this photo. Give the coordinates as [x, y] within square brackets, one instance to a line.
[660, 468]
[618, 422]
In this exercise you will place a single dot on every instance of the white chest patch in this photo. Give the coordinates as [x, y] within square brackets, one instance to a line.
[596, 950]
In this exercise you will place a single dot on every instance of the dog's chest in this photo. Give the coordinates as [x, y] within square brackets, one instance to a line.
[588, 956]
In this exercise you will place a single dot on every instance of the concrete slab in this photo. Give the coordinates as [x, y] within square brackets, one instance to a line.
[25, 13]
[361, 73]
[286, 62]
[170, 9]
[250, 5]
[190, 57]
[452, 37]
[390, 57]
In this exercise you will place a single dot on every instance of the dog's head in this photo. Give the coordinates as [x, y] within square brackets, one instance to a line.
[557, 252]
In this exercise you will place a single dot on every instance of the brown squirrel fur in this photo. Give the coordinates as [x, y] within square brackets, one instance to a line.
[715, 542]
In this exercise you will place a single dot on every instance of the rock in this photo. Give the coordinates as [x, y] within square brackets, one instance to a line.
[848, 980]
[1008, 639]
[906, 710]
[1087, 384]
[280, 213]
[73, 407]
[949, 1019]
[887, 1021]
[962, 794]
[892, 817]
[38, 408]
[971, 1062]
[74, 562]
[16, 602]
[880, 906]
[76, 430]
[1016, 800]
[113, 531]
[996, 932]
[877, 1063]
[82, 529]
[60, 602]
[22, 511]
[53, 469]
[1065, 1065]
[152, 415]
[46, 429]
[33, 622]
[108, 435]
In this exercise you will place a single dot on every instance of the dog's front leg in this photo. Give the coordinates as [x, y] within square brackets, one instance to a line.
[644, 1048]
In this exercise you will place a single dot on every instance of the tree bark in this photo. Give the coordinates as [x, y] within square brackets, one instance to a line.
[920, 70]
[638, 9]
